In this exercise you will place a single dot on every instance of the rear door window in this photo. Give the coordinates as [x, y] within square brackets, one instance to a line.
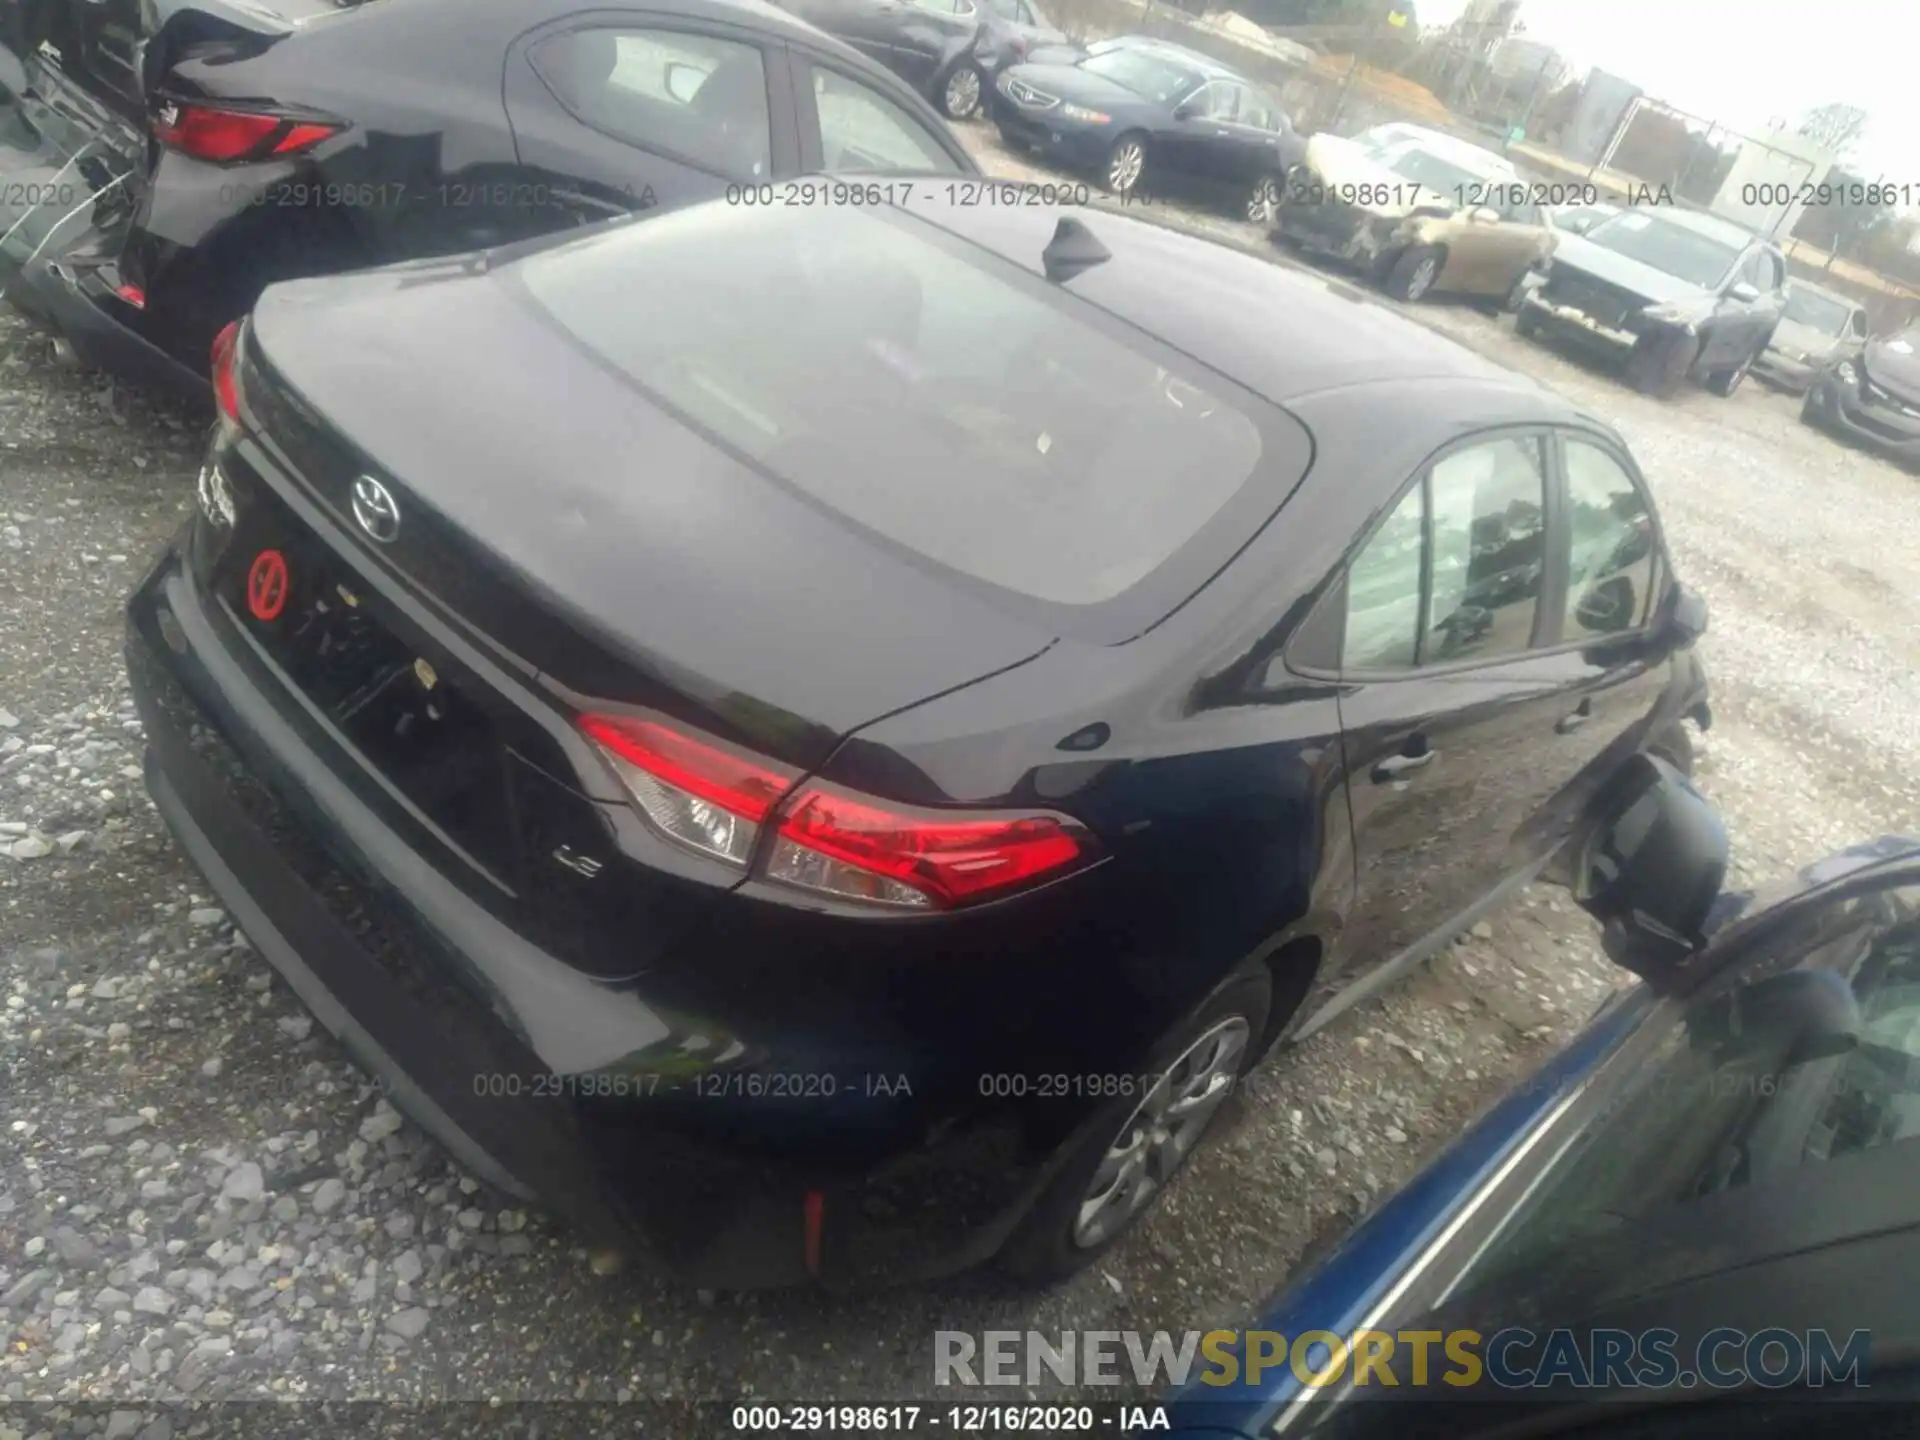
[862, 130]
[697, 96]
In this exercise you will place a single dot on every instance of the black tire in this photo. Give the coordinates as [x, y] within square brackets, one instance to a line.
[1725, 382]
[1659, 364]
[1414, 273]
[1261, 204]
[1525, 325]
[1043, 1250]
[970, 103]
[1110, 178]
[1675, 746]
[1810, 409]
[1511, 305]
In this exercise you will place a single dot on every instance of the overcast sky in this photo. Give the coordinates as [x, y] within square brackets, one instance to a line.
[1744, 62]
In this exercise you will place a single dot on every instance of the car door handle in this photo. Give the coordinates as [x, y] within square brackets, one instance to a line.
[1570, 723]
[1395, 766]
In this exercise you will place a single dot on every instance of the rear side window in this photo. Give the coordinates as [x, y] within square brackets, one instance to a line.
[941, 399]
[862, 131]
[692, 95]
[1610, 532]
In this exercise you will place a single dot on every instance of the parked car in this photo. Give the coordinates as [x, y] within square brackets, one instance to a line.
[1015, 30]
[725, 711]
[154, 183]
[1671, 292]
[1817, 332]
[1873, 398]
[1712, 1184]
[1422, 211]
[934, 45]
[1143, 113]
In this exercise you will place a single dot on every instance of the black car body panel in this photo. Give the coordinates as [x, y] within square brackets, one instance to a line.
[388, 785]
[920, 42]
[450, 136]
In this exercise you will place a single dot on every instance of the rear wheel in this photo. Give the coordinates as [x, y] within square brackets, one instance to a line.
[1263, 201]
[960, 96]
[1525, 325]
[1413, 274]
[1126, 162]
[1725, 382]
[1139, 1142]
[1810, 408]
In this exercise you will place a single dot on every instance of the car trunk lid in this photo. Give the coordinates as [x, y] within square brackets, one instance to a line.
[605, 543]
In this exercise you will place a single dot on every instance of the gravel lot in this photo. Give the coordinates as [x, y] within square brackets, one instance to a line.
[199, 1196]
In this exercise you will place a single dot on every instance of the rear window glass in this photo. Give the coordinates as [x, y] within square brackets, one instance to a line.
[921, 389]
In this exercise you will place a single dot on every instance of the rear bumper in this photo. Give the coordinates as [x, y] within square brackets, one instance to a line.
[1841, 410]
[383, 950]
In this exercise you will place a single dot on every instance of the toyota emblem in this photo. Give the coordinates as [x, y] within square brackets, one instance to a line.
[376, 509]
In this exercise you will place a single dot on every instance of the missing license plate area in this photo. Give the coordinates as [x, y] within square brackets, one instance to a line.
[413, 725]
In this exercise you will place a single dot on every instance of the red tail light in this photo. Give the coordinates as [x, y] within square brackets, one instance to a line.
[715, 800]
[861, 849]
[693, 791]
[226, 371]
[208, 133]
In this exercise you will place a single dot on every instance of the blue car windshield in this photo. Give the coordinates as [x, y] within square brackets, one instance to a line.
[1145, 75]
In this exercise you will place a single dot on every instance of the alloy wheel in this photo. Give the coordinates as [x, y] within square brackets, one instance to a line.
[1161, 1132]
[1422, 278]
[962, 96]
[1264, 203]
[1123, 169]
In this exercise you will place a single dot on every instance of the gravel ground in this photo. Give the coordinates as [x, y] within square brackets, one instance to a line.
[200, 1197]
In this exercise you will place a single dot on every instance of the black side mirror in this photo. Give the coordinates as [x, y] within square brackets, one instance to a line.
[1686, 616]
[1648, 866]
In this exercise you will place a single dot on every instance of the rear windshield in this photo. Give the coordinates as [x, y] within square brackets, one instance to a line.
[916, 386]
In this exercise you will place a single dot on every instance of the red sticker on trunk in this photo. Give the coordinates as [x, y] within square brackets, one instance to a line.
[267, 585]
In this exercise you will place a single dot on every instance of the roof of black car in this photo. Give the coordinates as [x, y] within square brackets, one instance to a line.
[1278, 330]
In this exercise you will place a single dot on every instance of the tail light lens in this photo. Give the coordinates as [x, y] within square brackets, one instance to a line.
[693, 791]
[715, 800]
[865, 850]
[226, 371]
[208, 133]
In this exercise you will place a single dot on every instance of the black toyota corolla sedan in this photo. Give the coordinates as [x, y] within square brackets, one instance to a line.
[822, 740]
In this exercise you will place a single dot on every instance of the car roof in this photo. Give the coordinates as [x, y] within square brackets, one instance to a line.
[1279, 331]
